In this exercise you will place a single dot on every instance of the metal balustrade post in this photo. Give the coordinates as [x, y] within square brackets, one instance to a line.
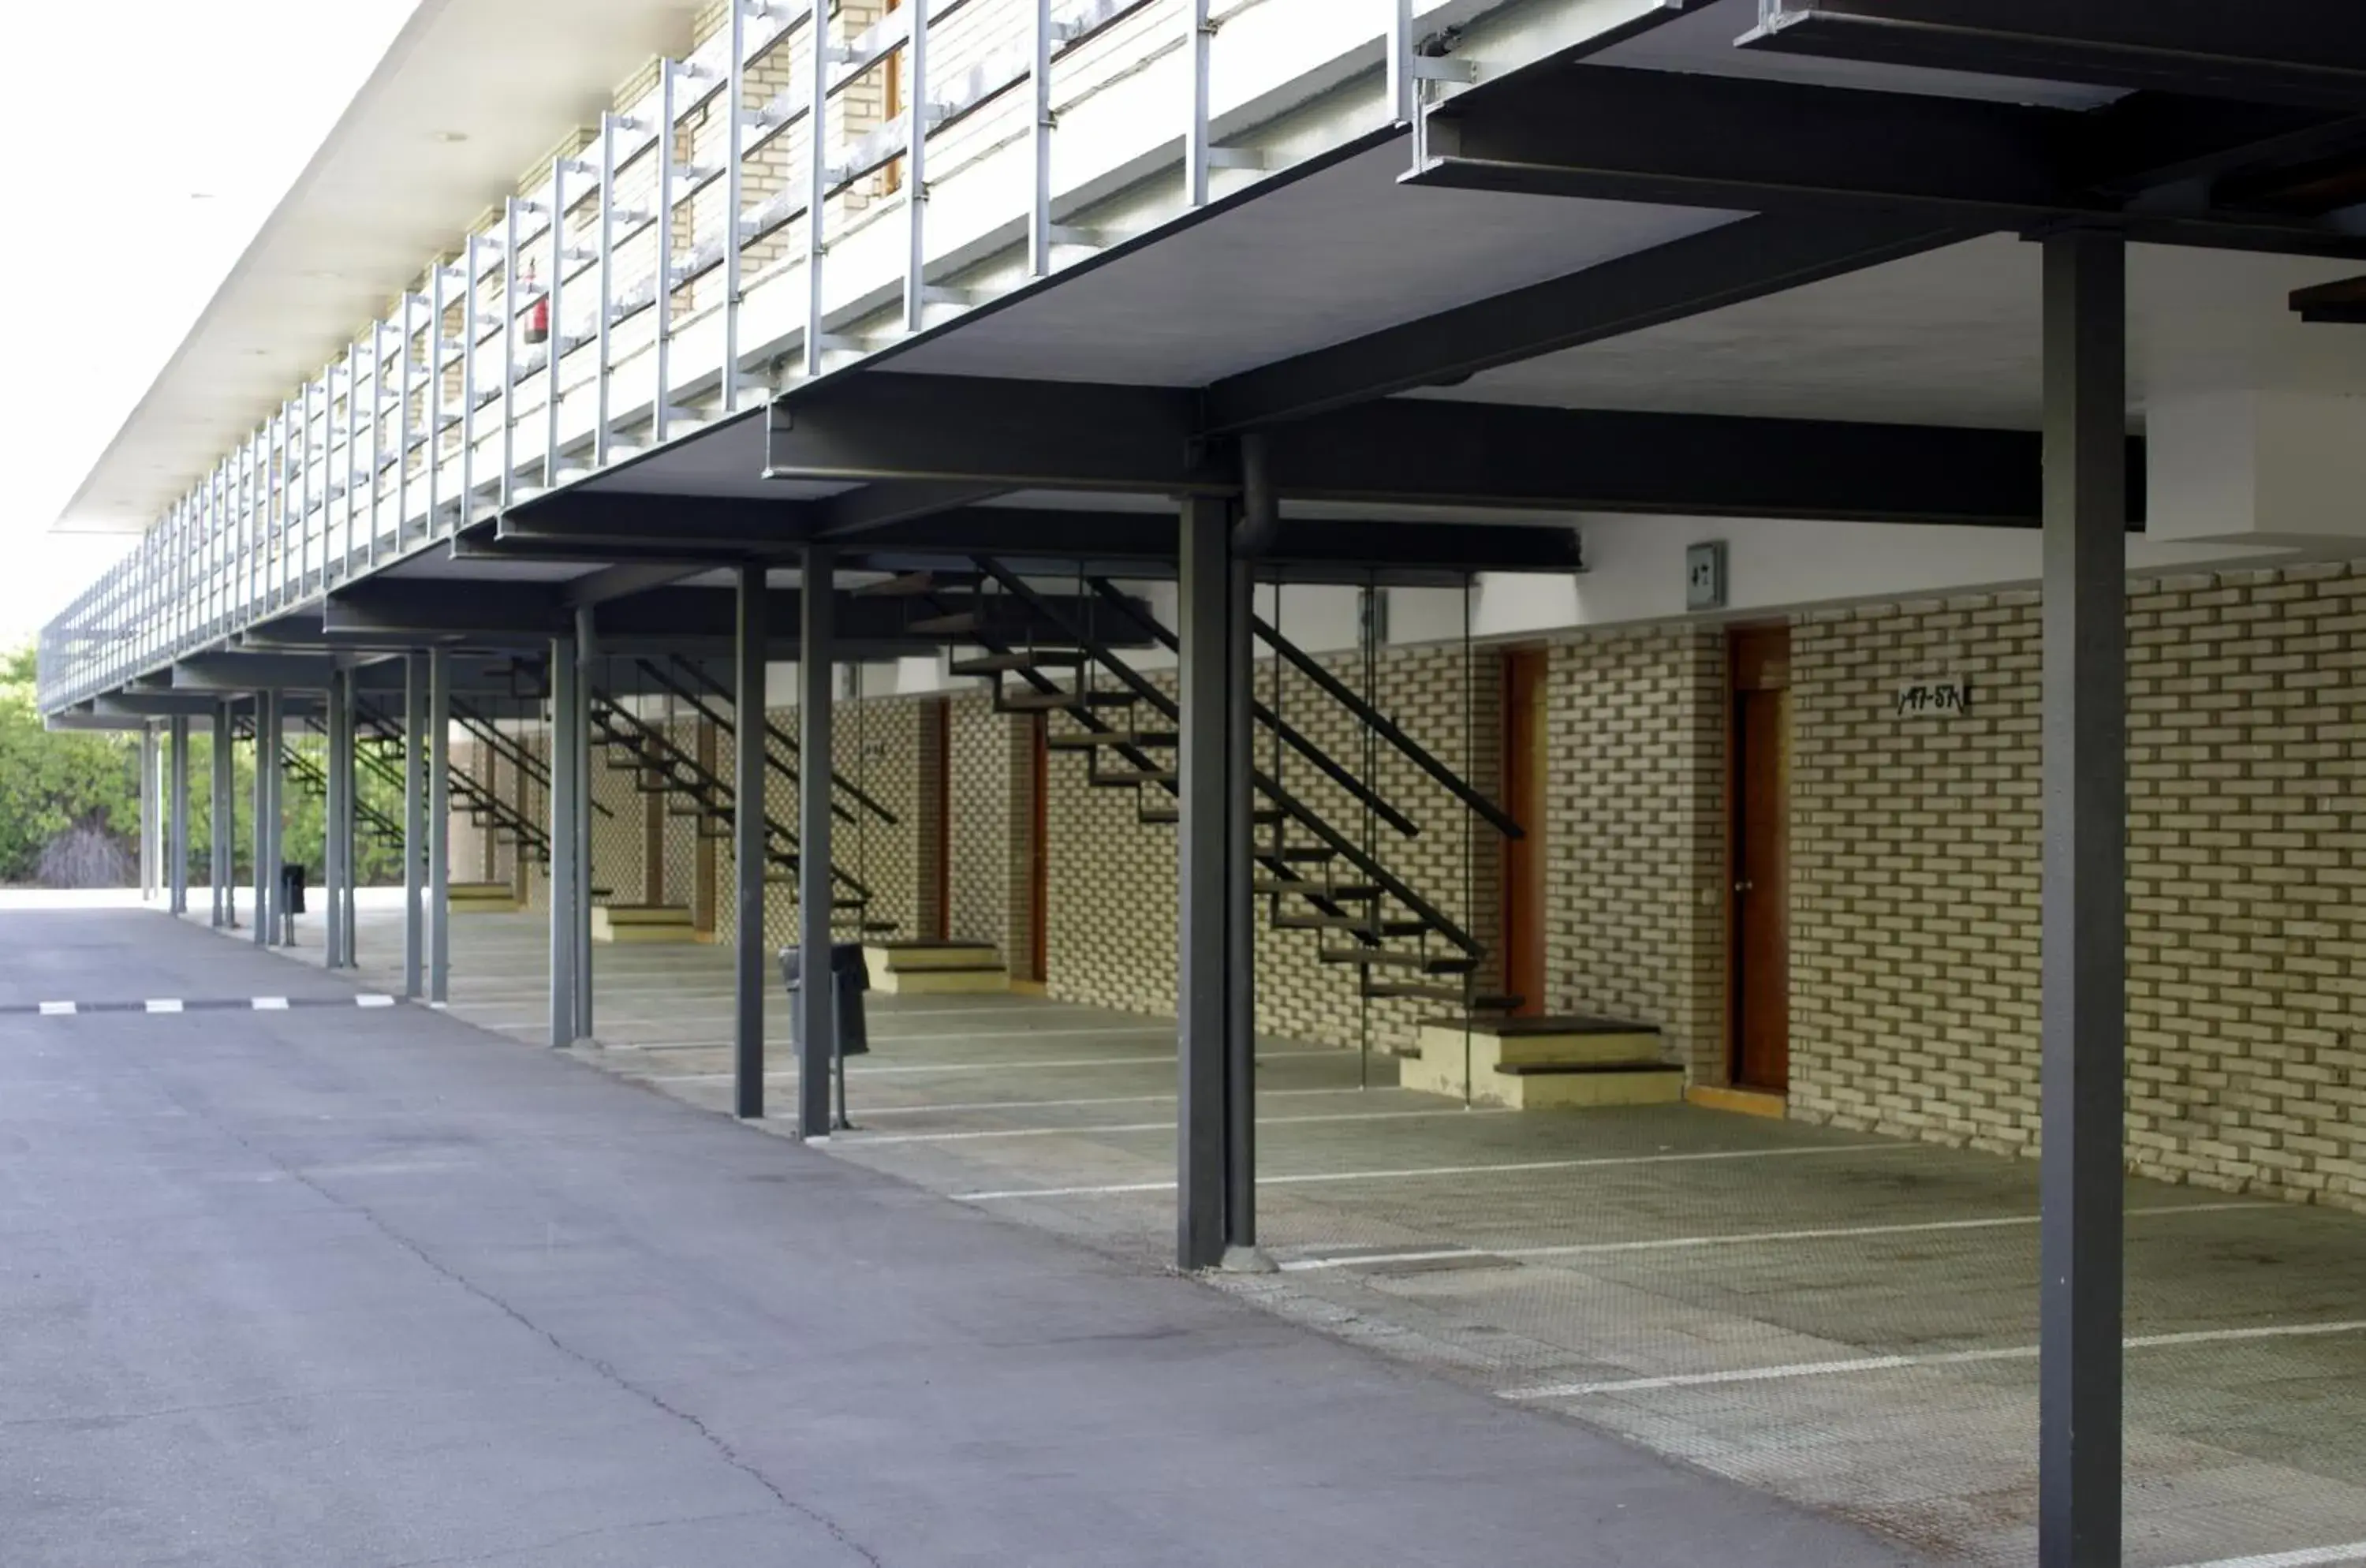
[2084, 951]
[414, 822]
[1404, 86]
[1195, 139]
[353, 443]
[406, 376]
[816, 894]
[817, 180]
[603, 325]
[472, 330]
[1039, 86]
[661, 328]
[554, 338]
[735, 146]
[509, 350]
[916, 169]
[376, 434]
[439, 826]
[439, 304]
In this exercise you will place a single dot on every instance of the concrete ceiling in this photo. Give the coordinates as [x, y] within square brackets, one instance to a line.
[389, 189]
[1951, 337]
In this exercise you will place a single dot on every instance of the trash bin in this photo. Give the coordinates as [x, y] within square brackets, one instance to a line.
[291, 900]
[848, 978]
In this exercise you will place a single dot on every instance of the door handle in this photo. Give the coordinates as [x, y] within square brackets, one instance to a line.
[1744, 887]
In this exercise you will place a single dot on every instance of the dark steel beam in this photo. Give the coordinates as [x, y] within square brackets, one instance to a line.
[251, 672]
[1444, 453]
[623, 580]
[860, 511]
[1732, 143]
[1010, 434]
[2293, 51]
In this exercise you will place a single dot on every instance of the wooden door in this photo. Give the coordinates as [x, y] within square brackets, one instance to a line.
[1039, 855]
[1760, 785]
[1527, 754]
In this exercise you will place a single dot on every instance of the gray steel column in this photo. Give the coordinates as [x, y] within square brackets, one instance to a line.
[224, 832]
[564, 715]
[582, 814]
[817, 1018]
[332, 868]
[1240, 923]
[176, 852]
[439, 821]
[343, 828]
[748, 846]
[1203, 1015]
[261, 809]
[2084, 962]
[272, 905]
[148, 812]
[414, 824]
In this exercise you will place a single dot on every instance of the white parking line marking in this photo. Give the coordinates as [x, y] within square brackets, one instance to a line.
[1150, 1126]
[2305, 1557]
[373, 999]
[1939, 1359]
[1096, 1099]
[270, 1004]
[163, 1004]
[901, 1068]
[1311, 1177]
[57, 1009]
[1737, 1238]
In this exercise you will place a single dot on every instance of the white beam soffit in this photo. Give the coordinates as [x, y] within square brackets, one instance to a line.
[387, 191]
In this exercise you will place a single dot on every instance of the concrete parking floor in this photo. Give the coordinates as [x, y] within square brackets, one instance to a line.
[289, 1281]
[1843, 1320]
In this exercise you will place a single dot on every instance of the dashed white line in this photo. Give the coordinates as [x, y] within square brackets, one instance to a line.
[57, 1009]
[1312, 1178]
[373, 999]
[1937, 1359]
[270, 1004]
[163, 1004]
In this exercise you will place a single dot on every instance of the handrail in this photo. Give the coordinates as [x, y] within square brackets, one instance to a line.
[1386, 728]
[1324, 764]
[772, 731]
[607, 709]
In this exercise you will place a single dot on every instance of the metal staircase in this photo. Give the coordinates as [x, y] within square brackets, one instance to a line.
[693, 790]
[380, 751]
[1314, 876]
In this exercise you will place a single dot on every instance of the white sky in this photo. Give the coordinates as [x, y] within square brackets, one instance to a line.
[163, 133]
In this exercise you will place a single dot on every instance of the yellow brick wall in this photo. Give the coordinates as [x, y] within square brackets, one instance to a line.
[1916, 856]
[988, 769]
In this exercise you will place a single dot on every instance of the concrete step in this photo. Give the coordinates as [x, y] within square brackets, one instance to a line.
[1548, 1063]
[643, 923]
[482, 898]
[926, 968]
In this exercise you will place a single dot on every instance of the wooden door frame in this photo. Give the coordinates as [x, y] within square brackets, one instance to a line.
[1757, 659]
[1527, 673]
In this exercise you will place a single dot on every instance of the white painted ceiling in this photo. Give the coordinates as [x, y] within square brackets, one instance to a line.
[387, 191]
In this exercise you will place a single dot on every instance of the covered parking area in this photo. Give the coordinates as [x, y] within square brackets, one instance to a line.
[1879, 286]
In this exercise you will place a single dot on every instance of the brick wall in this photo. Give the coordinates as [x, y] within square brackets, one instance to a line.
[1915, 897]
[987, 785]
[1113, 891]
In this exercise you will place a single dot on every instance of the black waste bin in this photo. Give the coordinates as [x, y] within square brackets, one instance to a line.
[849, 977]
[291, 900]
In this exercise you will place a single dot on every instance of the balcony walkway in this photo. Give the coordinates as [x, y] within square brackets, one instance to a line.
[330, 1283]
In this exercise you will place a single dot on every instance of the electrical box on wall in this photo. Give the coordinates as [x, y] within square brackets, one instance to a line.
[1705, 576]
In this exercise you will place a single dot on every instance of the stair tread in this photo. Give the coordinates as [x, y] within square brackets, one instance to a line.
[1391, 958]
[1055, 702]
[1334, 892]
[1009, 663]
[1089, 739]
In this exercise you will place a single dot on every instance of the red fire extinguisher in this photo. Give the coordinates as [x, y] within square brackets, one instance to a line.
[537, 315]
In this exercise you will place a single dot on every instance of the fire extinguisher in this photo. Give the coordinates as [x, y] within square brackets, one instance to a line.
[537, 315]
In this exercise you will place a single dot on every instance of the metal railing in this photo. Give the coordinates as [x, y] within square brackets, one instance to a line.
[636, 294]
